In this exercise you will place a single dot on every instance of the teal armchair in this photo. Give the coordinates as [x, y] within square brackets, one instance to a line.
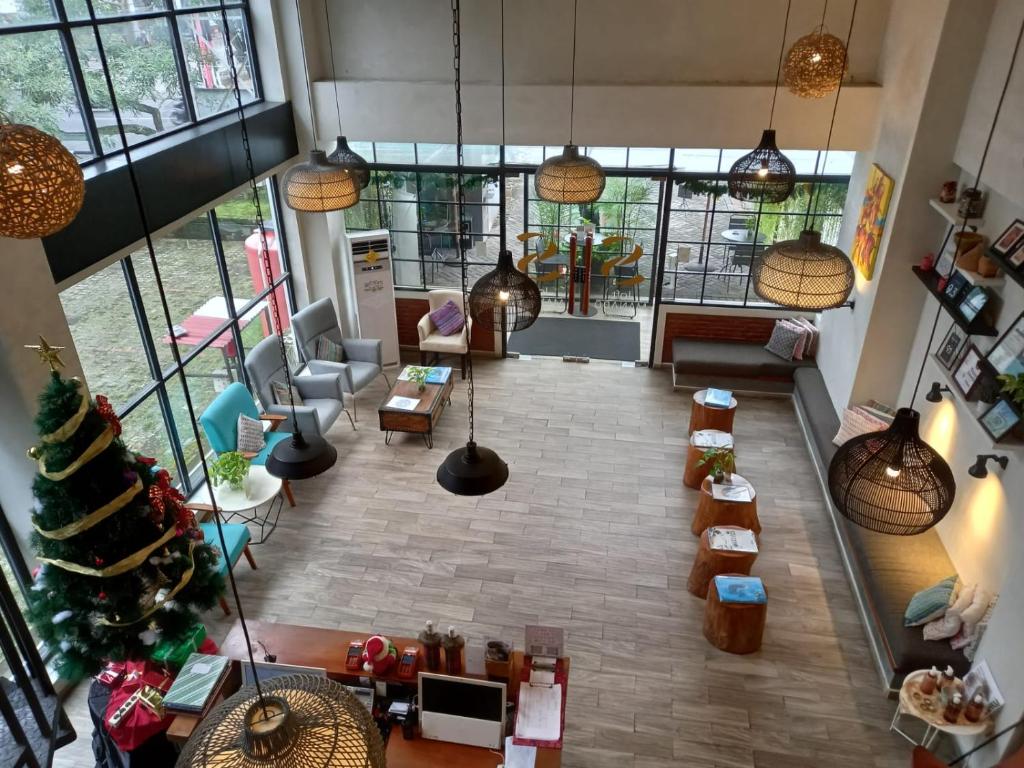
[220, 422]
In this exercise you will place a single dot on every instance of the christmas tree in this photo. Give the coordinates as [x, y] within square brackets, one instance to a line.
[123, 564]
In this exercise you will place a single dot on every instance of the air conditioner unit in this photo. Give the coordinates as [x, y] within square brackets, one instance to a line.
[375, 289]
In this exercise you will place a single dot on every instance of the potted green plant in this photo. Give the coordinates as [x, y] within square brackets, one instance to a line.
[1013, 385]
[722, 461]
[419, 374]
[231, 467]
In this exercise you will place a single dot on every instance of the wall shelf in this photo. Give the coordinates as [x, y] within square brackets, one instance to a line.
[988, 282]
[948, 211]
[976, 327]
[946, 376]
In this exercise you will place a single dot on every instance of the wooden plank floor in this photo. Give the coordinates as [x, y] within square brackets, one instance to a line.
[592, 533]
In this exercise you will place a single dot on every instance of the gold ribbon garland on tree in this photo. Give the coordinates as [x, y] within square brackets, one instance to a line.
[129, 563]
[186, 577]
[93, 518]
[71, 425]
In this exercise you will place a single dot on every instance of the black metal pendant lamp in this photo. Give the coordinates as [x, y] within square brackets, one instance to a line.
[893, 481]
[806, 273]
[570, 177]
[765, 175]
[472, 470]
[343, 156]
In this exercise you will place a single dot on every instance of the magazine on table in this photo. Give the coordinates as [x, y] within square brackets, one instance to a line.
[712, 438]
[717, 398]
[403, 403]
[727, 492]
[731, 540]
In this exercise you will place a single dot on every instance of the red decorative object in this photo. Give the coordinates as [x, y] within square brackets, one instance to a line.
[106, 411]
[572, 273]
[147, 460]
[164, 496]
[379, 656]
[588, 252]
[941, 284]
[948, 192]
[928, 262]
[141, 723]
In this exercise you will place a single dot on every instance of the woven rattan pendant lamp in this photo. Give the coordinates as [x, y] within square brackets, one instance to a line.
[570, 177]
[806, 273]
[41, 183]
[765, 175]
[343, 155]
[472, 470]
[816, 63]
[317, 186]
[893, 481]
[505, 294]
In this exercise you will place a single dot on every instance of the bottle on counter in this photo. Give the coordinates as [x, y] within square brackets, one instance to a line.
[975, 708]
[431, 641]
[930, 683]
[453, 645]
[947, 685]
[953, 708]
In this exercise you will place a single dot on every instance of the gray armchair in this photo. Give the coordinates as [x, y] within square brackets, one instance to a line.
[323, 397]
[363, 357]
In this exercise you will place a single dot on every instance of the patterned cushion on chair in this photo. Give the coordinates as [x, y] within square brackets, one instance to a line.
[448, 319]
[250, 435]
[280, 390]
[329, 350]
[784, 340]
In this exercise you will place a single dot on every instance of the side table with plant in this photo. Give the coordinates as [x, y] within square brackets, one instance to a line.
[419, 374]
[722, 461]
[231, 467]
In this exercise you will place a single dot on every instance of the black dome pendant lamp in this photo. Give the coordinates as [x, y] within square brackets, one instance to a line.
[765, 175]
[472, 470]
[892, 481]
[343, 155]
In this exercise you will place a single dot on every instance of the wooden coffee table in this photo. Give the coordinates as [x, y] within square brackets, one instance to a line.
[419, 420]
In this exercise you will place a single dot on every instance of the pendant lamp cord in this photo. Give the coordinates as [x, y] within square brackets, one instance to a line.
[835, 105]
[305, 68]
[501, 225]
[572, 81]
[175, 352]
[824, 10]
[782, 54]
[977, 181]
[457, 63]
[334, 70]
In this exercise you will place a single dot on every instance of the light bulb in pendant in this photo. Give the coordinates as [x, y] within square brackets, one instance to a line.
[816, 58]
[892, 472]
[762, 171]
[503, 296]
[15, 169]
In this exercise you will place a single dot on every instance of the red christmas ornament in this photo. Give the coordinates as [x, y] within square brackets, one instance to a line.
[102, 595]
[147, 460]
[106, 411]
[99, 561]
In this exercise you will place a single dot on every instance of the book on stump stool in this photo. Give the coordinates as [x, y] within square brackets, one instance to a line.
[735, 613]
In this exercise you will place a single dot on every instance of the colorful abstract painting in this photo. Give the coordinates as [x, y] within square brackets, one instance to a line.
[871, 224]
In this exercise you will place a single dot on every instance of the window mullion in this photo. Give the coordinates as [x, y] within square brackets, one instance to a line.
[182, 67]
[78, 81]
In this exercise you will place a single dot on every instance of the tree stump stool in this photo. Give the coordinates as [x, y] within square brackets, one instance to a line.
[712, 511]
[714, 562]
[699, 442]
[734, 627]
[711, 417]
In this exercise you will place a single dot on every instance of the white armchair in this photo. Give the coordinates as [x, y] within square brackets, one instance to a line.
[432, 342]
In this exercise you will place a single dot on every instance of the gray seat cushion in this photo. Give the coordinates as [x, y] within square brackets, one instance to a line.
[889, 569]
[823, 423]
[731, 358]
[362, 373]
[326, 411]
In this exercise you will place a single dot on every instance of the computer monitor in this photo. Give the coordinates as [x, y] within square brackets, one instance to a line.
[462, 710]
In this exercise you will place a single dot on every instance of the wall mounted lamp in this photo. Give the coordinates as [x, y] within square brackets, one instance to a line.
[979, 469]
[935, 393]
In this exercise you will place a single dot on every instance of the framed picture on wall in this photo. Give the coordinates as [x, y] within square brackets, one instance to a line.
[1007, 356]
[1011, 239]
[1000, 419]
[874, 210]
[949, 350]
[973, 302]
[968, 372]
[955, 287]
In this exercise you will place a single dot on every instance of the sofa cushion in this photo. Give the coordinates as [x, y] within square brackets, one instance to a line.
[929, 603]
[818, 409]
[731, 358]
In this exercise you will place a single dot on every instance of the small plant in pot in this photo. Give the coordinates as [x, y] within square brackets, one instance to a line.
[1013, 386]
[230, 467]
[418, 374]
[722, 461]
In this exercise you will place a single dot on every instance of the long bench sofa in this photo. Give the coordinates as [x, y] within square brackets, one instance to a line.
[884, 571]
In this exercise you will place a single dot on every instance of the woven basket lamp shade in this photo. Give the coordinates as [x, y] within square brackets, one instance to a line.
[815, 65]
[804, 274]
[892, 482]
[764, 175]
[310, 722]
[569, 178]
[505, 286]
[41, 183]
[343, 156]
[316, 186]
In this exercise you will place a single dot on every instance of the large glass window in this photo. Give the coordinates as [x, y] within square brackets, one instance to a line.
[169, 65]
[219, 302]
[712, 240]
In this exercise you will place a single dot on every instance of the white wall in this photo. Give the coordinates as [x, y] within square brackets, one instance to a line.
[930, 53]
[648, 73]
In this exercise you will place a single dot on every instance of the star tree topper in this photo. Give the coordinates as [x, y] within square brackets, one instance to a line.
[48, 354]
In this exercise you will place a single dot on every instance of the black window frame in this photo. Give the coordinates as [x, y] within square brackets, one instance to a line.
[65, 28]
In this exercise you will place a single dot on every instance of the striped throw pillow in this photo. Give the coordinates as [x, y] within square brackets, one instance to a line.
[329, 350]
[448, 319]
